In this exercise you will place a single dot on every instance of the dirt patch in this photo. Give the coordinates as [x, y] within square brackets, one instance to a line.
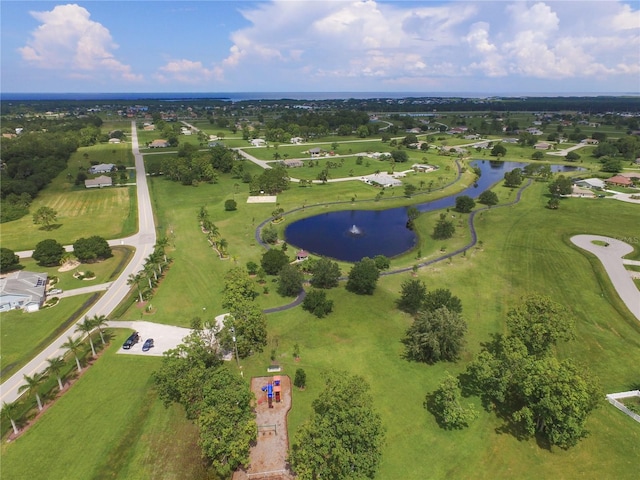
[67, 266]
[268, 457]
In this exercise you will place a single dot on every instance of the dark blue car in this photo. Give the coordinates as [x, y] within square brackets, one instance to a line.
[148, 344]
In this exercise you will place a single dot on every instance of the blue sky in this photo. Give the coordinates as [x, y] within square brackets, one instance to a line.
[321, 45]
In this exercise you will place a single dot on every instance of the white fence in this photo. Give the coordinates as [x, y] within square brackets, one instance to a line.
[612, 398]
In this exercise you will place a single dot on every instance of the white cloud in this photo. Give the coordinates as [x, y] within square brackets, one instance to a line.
[186, 71]
[67, 39]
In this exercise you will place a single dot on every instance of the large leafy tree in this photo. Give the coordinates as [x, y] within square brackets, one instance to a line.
[326, 274]
[412, 295]
[238, 288]
[513, 178]
[363, 277]
[464, 204]
[442, 297]
[248, 324]
[540, 323]
[273, 260]
[561, 186]
[91, 249]
[444, 228]
[445, 405]
[290, 281]
[45, 216]
[435, 336]
[48, 253]
[8, 260]
[317, 303]
[343, 438]
[488, 198]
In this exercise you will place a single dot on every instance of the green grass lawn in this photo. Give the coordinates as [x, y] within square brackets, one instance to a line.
[108, 212]
[108, 425]
[26, 334]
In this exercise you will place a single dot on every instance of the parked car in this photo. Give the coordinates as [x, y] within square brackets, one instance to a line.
[55, 291]
[131, 341]
[148, 344]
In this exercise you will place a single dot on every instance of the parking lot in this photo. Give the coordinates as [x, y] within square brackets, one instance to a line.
[165, 337]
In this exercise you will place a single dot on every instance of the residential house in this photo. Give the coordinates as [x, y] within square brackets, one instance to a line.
[422, 167]
[98, 182]
[23, 289]
[296, 140]
[114, 140]
[620, 181]
[159, 143]
[542, 146]
[258, 142]
[101, 168]
[590, 183]
[315, 152]
[293, 163]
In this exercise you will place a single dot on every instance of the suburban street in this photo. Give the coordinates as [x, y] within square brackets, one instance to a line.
[143, 242]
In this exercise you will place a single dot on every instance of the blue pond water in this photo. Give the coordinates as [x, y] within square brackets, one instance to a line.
[382, 232]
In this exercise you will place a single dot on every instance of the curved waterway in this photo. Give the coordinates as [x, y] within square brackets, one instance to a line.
[383, 232]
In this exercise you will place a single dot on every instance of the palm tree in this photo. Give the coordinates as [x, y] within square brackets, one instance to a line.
[10, 410]
[135, 280]
[32, 385]
[74, 345]
[223, 244]
[86, 327]
[100, 321]
[56, 365]
[150, 266]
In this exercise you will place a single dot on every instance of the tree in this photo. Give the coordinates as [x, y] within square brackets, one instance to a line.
[248, 324]
[316, 302]
[399, 156]
[45, 216]
[10, 411]
[290, 281]
[409, 189]
[444, 228]
[412, 295]
[435, 336]
[48, 253]
[238, 288]
[464, 204]
[326, 274]
[488, 198]
[513, 178]
[133, 279]
[553, 203]
[444, 404]
[269, 234]
[98, 322]
[8, 260]
[74, 345]
[91, 249]
[300, 380]
[535, 395]
[540, 323]
[31, 386]
[412, 214]
[86, 327]
[363, 277]
[441, 297]
[343, 438]
[382, 262]
[498, 150]
[56, 365]
[561, 186]
[273, 260]
[572, 156]
[230, 205]
[537, 155]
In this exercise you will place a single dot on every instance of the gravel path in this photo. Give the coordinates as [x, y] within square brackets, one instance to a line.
[611, 257]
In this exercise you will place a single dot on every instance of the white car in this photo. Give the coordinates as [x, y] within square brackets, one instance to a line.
[55, 291]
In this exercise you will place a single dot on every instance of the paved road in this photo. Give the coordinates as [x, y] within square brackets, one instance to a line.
[143, 241]
[611, 258]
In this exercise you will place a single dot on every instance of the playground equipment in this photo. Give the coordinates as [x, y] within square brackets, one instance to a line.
[274, 390]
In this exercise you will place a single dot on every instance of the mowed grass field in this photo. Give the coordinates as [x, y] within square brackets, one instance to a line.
[525, 249]
[109, 212]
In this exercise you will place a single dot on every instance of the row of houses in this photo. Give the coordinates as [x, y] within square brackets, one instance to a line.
[620, 180]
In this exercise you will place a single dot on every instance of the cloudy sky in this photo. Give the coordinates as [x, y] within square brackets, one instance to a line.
[321, 46]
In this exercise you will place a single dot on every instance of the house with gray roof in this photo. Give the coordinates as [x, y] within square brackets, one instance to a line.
[22, 290]
[98, 182]
[102, 168]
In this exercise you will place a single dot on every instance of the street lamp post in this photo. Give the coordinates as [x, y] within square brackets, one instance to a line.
[235, 345]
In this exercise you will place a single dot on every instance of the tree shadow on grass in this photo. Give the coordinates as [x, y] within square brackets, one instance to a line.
[48, 228]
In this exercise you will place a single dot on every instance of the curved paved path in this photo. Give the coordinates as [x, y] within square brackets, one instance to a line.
[144, 243]
[611, 258]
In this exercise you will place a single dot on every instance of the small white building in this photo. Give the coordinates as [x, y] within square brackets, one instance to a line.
[590, 183]
[258, 142]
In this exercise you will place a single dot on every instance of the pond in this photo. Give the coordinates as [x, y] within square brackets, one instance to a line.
[350, 235]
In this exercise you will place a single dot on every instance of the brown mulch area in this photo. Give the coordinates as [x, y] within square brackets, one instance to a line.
[269, 454]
